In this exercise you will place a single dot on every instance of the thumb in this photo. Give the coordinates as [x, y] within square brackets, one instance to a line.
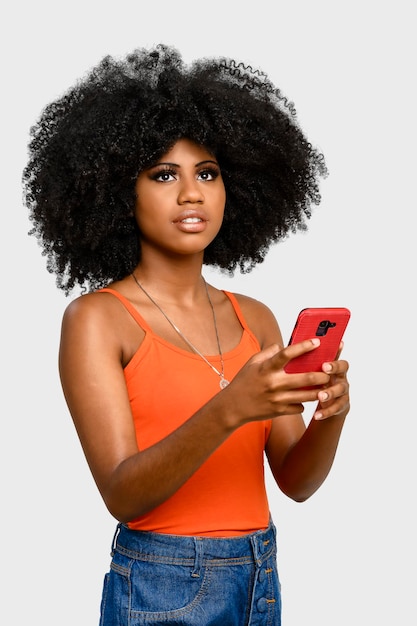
[266, 354]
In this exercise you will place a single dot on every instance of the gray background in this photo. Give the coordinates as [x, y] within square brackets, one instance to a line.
[347, 555]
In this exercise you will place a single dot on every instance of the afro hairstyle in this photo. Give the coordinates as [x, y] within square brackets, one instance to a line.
[88, 147]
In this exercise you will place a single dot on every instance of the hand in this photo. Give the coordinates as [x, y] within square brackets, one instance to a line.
[262, 389]
[334, 397]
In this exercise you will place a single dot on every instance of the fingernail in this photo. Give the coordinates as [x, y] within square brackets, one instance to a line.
[327, 367]
[315, 342]
[323, 396]
[318, 416]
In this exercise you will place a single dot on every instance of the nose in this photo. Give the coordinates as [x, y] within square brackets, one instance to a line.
[190, 191]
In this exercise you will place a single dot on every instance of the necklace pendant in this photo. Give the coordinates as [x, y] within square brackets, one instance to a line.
[223, 382]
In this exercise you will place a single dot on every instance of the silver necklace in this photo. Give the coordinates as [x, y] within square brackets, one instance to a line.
[223, 381]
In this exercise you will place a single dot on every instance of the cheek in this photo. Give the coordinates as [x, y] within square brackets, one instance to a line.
[223, 204]
[145, 206]
[143, 215]
[221, 198]
[138, 212]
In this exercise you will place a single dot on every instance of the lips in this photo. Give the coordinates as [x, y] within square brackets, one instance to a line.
[191, 216]
[191, 221]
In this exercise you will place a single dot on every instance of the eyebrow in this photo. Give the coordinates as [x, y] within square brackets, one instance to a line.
[177, 164]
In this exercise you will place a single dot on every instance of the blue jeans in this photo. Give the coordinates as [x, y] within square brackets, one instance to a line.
[192, 581]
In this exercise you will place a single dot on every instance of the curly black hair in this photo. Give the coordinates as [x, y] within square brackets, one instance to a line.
[88, 147]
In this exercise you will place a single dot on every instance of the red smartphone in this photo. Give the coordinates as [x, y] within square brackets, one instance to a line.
[328, 324]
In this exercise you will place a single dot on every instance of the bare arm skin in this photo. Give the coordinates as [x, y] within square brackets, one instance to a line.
[301, 458]
[133, 482]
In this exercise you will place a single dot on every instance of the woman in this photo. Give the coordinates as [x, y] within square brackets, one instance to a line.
[141, 173]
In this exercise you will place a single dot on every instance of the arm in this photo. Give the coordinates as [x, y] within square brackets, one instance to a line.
[131, 481]
[302, 464]
[91, 358]
[301, 458]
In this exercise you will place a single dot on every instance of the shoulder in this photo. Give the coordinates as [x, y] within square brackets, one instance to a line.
[91, 306]
[260, 319]
[98, 323]
[97, 314]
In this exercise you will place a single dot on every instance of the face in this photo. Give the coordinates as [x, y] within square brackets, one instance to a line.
[180, 200]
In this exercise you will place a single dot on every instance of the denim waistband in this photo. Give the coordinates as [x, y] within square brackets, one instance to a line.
[186, 550]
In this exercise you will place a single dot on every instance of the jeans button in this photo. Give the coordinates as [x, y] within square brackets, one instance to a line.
[262, 605]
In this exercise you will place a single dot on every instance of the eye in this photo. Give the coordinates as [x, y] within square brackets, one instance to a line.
[164, 176]
[209, 173]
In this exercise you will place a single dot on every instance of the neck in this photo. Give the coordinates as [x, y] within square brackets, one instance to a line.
[176, 281]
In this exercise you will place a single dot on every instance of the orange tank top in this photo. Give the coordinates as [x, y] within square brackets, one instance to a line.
[226, 496]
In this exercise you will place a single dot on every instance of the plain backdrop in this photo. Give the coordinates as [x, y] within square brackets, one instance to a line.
[347, 556]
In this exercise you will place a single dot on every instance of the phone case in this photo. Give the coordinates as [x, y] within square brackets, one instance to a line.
[328, 324]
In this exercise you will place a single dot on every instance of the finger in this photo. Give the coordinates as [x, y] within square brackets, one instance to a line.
[307, 380]
[281, 358]
[335, 391]
[324, 396]
[335, 367]
[336, 408]
[266, 354]
[332, 400]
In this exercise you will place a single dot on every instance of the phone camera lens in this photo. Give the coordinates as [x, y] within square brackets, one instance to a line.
[322, 328]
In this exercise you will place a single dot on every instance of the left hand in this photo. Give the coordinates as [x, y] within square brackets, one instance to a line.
[334, 397]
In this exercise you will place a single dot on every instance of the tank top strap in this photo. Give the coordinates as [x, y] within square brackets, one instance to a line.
[129, 306]
[238, 311]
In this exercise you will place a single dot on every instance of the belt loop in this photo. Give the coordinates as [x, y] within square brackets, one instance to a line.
[198, 546]
[255, 549]
[116, 534]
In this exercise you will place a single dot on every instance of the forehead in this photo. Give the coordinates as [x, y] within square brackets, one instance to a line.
[186, 151]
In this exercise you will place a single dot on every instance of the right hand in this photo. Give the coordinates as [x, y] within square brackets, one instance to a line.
[262, 389]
